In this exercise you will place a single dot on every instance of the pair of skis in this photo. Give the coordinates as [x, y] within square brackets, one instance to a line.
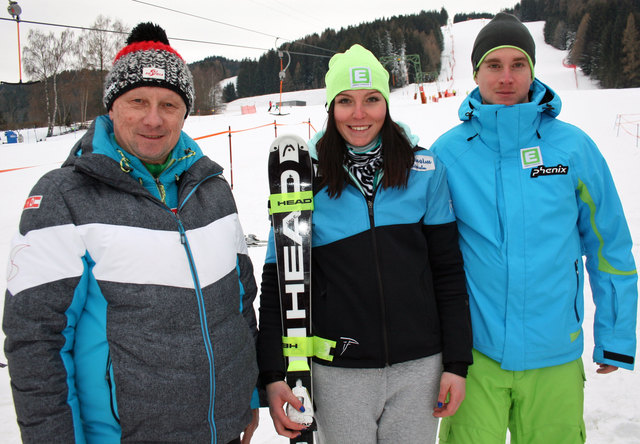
[291, 206]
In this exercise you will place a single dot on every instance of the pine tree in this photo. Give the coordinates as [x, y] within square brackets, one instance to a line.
[245, 86]
[391, 52]
[576, 54]
[560, 35]
[529, 10]
[403, 77]
[229, 93]
[631, 53]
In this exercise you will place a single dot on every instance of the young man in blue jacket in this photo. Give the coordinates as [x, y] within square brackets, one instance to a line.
[532, 196]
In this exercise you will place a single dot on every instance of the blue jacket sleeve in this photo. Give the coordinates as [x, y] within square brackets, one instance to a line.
[607, 246]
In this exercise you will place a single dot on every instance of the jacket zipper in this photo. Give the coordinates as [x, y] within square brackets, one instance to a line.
[199, 297]
[161, 190]
[383, 310]
[385, 335]
[203, 325]
[200, 300]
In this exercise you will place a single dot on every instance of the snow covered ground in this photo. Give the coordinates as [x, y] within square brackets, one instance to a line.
[612, 411]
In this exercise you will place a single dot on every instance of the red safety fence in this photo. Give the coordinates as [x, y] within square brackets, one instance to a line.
[21, 168]
[630, 124]
[275, 127]
[566, 64]
[230, 132]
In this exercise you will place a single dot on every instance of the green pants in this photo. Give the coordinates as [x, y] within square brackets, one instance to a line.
[539, 406]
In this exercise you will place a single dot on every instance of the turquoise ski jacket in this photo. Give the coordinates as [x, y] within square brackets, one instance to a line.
[533, 196]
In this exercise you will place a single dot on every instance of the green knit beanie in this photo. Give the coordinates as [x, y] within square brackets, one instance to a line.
[356, 68]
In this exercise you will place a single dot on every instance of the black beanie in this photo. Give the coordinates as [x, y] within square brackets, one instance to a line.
[148, 60]
[504, 30]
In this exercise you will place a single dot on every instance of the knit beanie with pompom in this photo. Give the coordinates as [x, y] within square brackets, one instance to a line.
[148, 60]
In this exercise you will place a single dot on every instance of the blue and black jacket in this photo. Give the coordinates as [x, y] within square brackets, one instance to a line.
[387, 277]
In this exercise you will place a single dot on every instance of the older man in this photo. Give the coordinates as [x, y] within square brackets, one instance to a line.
[129, 307]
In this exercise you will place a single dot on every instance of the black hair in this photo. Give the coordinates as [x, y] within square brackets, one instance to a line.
[397, 154]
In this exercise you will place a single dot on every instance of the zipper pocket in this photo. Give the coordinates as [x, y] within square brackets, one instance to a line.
[112, 389]
[577, 294]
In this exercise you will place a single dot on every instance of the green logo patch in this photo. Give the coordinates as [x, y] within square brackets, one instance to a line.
[360, 77]
[531, 157]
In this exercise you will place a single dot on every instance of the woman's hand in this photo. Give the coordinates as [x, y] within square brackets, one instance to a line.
[454, 386]
[279, 394]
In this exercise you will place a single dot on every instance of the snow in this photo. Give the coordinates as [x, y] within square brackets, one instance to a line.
[612, 413]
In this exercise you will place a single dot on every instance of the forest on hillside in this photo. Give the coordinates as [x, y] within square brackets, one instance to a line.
[602, 37]
[409, 46]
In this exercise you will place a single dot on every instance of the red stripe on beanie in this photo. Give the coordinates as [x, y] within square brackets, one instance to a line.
[145, 46]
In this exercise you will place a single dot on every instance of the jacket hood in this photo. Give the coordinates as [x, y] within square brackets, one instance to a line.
[506, 127]
[543, 99]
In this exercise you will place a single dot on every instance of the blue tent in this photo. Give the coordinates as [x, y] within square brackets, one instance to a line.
[12, 136]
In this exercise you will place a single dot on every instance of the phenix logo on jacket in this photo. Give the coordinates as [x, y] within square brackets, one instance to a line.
[543, 198]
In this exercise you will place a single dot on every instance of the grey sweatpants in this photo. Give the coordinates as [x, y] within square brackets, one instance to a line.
[388, 405]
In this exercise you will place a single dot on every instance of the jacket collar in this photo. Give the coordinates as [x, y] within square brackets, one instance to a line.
[100, 140]
[502, 127]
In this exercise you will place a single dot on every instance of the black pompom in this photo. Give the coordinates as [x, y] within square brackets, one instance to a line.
[147, 32]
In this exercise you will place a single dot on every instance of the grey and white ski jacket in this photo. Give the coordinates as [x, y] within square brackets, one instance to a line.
[127, 319]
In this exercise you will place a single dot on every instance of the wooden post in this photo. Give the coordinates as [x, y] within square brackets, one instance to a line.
[19, 55]
[230, 160]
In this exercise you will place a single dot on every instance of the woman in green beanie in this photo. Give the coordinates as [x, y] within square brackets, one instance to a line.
[388, 281]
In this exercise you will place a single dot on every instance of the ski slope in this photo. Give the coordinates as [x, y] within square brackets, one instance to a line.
[612, 412]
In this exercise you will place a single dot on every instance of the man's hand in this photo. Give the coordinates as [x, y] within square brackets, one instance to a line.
[278, 394]
[603, 369]
[252, 427]
[454, 386]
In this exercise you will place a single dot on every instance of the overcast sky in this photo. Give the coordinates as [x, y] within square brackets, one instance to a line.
[261, 24]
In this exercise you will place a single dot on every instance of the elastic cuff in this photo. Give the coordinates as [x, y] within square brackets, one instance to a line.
[268, 377]
[255, 399]
[457, 368]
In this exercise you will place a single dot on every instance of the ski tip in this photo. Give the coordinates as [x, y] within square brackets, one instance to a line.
[289, 139]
